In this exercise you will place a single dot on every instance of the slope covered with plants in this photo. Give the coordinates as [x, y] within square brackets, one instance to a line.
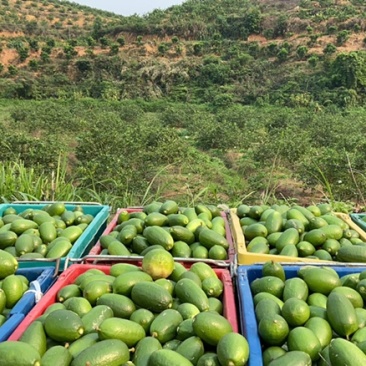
[284, 52]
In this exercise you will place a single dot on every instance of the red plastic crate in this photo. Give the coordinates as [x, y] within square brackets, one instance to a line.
[70, 274]
[96, 250]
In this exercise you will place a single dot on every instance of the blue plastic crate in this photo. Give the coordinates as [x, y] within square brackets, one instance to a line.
[248, 323]
[82, 245]
[10, 325]
[41, 279]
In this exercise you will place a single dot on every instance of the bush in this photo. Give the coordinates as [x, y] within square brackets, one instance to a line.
[91, 41]
[329, 49]
[342, 37]
[33, 45]
[282, 55]
[268, 33]
[302, 52]
[114, 49]
[51, 43]
[23, 54]
[313, 60]
[12, 70]
[198, 49]
[332, 29]
[33, 64]
[163, 48]
[134, 154]
[69, 51]
[121, 41]
[104, 42]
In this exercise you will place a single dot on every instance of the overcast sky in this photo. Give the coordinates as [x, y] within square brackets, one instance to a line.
[128, 7]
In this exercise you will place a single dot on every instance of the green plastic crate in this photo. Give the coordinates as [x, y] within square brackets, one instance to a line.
[82, 245]
[359, 219]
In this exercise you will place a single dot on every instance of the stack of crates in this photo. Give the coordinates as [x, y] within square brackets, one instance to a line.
[92, 259]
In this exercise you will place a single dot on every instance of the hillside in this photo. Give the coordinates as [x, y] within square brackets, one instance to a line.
[216, 51]
[223, 100]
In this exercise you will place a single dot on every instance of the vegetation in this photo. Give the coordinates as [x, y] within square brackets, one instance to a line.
[217, 101]
[134, 151]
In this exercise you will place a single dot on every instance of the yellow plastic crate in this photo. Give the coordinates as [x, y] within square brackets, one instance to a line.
[246, 258]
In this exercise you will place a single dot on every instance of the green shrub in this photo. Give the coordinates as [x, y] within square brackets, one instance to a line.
[329, 49]
[282, 54]
[121, 41]
[342, 37]
[302, 52]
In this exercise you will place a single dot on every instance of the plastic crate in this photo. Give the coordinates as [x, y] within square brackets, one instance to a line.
[230, 310]
[82, 245]
[44, 276]
[248, 323]
[358, 219]
[246, 258]
[96, 250]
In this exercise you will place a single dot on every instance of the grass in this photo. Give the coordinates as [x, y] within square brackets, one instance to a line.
[19, 183]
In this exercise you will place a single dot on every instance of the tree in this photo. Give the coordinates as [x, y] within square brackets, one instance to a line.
[313, 39]
[281, 26]
[253, 20]
[72, 42]
[350, 69]
[197, 49]
[97, 28]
